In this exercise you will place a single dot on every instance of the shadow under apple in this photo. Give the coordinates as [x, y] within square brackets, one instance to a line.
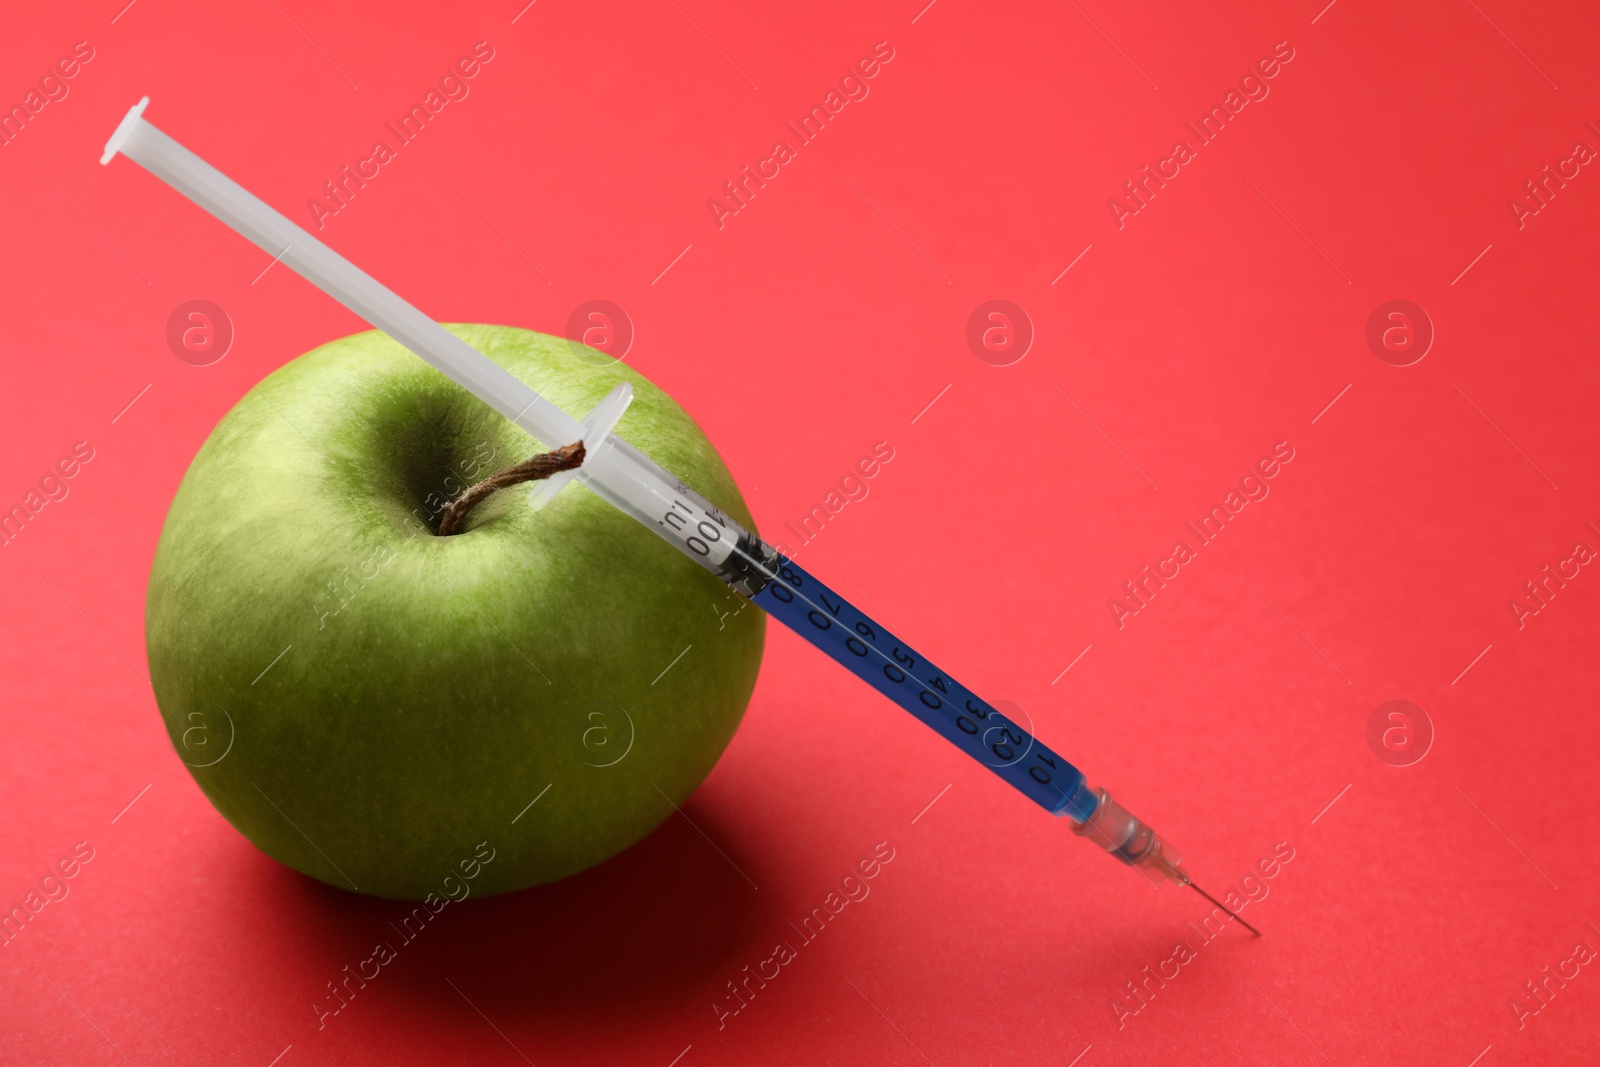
[653, 928]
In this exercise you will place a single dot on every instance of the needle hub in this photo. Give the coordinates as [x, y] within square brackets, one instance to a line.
[1128, 838]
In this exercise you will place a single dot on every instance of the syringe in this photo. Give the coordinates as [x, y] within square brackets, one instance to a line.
[631, 481]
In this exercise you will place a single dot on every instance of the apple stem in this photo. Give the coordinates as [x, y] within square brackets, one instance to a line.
[536, 468]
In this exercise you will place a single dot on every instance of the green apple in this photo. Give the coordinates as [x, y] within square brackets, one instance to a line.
[381, 707]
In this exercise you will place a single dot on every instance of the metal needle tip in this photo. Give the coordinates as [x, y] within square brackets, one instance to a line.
[1224, 907]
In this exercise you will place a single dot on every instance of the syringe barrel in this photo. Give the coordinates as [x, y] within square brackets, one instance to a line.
[884, 661]
[868, 649]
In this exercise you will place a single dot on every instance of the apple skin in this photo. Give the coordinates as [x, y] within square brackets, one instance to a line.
[430, 687]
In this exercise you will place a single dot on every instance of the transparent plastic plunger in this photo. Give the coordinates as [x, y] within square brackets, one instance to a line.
[630, 480]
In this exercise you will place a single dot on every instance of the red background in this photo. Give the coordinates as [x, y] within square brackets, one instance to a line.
[1223, 318]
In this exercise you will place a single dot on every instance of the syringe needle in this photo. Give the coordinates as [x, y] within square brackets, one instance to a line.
[1225, 908]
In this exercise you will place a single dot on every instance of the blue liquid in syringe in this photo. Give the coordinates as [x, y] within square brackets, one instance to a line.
[882, 660]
